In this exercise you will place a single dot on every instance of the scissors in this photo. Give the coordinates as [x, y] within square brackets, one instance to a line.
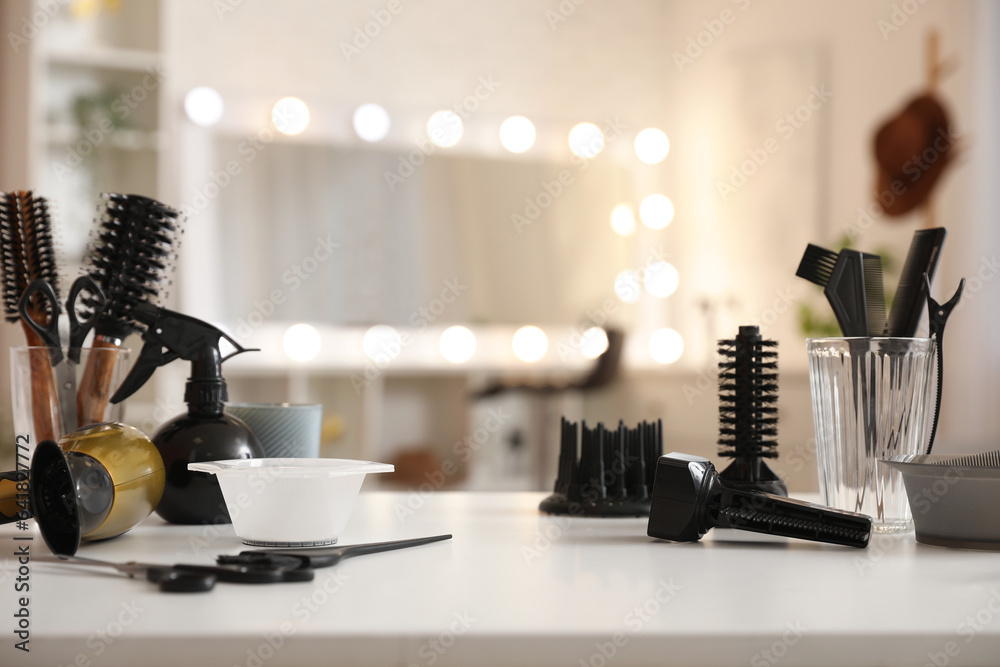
[184, 578]
[40, 302]
[312, 558]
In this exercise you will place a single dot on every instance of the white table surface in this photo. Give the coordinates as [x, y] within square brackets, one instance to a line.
[515, 587]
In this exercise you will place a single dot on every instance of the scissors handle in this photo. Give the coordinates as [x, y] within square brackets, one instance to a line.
[80, 327]
[49, 331]
[171, 580]
[246, 574]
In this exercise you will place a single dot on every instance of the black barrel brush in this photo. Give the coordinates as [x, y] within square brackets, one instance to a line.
[129, 259]
[748, 414]
[29, 255]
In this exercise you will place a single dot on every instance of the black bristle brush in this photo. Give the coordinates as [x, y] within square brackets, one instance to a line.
[29, 255]
[129, 259]
[605, 472]
[748, 413]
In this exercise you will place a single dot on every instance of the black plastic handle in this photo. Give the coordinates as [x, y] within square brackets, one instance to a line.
[79, 328]
[171, 580]
[48, 332]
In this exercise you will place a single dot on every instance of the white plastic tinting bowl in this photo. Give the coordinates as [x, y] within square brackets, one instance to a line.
[290, 502]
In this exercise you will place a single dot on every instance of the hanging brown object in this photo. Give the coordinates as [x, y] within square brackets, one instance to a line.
[912, 150]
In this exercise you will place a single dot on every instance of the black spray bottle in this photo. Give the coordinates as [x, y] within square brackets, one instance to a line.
[205, 433]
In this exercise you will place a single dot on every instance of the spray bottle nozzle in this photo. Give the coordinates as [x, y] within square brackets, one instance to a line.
[170, 335]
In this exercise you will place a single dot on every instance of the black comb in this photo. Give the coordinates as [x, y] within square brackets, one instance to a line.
[130, 257]
[614, 474]
[748, 413]
[874, 293]
[911, 295]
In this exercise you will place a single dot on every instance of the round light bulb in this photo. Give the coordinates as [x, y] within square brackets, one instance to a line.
[290, 115]
[666, 346]
[382, 343]
[594, 342]
[530, 344]
[517, 134]
[623, 220]
[444, 128]
[371, 122]
[586, 140]
[651, 145]
[301, 342]
[457, 344]
[627, 287]
[204, 106]
[656, 211]
[661, 279]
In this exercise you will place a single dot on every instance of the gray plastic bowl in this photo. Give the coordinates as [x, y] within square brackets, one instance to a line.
[953, 505]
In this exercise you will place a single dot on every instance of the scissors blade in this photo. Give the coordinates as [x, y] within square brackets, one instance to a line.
[66, 379]
[316, 558]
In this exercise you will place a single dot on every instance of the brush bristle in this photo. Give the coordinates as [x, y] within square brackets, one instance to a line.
[28, 250]
[874, 293]
[748, 392]
[130, 257]
[817, 265]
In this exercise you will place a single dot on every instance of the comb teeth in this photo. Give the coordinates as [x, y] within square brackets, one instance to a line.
[983, 460]
[130, 257]
[28, 251]
[748, 386]
[874, 293]
[817, 265]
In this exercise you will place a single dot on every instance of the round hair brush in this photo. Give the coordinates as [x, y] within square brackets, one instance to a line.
[748, 414]
[129, 259]
[29, 255]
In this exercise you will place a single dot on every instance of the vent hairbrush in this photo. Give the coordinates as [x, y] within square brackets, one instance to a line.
[129, 260]
[748, 414]
[614, 473]
[29, 255]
